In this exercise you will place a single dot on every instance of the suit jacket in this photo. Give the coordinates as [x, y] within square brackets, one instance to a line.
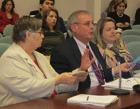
[21, 79]
[66, 57]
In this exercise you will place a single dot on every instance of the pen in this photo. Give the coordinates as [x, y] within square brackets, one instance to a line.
[87, 98]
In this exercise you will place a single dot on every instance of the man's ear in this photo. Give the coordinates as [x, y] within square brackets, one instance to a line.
[40, 5]
[73, 27]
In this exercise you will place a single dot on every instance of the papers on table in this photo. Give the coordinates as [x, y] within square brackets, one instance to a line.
[96, 100]
[137, 74]
[125, 84]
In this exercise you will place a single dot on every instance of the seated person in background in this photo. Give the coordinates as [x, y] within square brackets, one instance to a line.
[106, 34]
[122, 20]
[7, 14]
[137, 17]
[26, 74]
[52, 34]
[110, 8]
[48, 4]
[67, 56]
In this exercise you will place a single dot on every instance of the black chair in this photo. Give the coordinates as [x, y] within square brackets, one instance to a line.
[33, 13]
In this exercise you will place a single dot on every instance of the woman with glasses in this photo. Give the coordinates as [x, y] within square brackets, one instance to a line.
[50, 29]
[7, 14]
[25, 73]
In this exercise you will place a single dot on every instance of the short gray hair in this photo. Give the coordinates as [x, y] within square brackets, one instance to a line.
[24, 24]
[74, 17]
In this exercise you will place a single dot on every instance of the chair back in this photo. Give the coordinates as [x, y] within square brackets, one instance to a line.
[7, 39]
[130, 32]
[33, 13]
[69, 32]
[134, 49]
[3, 48]
[66, 24]
[8, 31]
[1, 35]
[137, 27]
[130, 38]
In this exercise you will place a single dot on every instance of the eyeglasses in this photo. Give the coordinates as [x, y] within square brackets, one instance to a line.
[52, 4]
[41, 32]
[86, 24]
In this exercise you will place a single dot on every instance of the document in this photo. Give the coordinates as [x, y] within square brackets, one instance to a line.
[125, 84]
[132, 65]
[83, 73]
[102, 100]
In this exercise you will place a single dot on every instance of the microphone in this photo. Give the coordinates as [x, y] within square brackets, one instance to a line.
[118, 91]
[110, 47]
[136, 87]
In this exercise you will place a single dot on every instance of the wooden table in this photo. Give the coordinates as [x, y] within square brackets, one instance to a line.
[60, 101]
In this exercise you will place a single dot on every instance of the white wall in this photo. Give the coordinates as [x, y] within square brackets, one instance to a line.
[66, 7]
[0, 3]
[23, 7]
[90, 7]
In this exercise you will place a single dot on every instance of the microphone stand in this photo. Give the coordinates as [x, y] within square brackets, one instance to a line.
[119, 91]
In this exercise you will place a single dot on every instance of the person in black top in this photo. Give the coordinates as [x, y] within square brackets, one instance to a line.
[49, 4]
[52, 34]
[122, 20]
[137, 17]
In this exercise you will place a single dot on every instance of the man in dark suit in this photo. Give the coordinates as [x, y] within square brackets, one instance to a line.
[68, 56]
[48, 4]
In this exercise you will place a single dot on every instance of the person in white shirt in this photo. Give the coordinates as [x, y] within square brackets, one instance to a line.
[25, 73]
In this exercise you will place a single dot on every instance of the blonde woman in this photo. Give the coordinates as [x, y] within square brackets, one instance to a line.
[106, 34]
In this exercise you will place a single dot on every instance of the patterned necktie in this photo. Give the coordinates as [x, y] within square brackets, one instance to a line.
[97, 73]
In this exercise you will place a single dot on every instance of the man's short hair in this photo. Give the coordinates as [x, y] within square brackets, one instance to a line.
[42, 1]
[74, 17]
[24, 24]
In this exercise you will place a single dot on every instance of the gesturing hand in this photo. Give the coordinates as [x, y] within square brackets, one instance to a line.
[85, 62]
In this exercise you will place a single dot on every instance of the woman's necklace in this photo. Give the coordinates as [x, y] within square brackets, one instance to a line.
[120, 15]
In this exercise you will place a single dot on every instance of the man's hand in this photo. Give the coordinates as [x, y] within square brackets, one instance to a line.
[85, 62]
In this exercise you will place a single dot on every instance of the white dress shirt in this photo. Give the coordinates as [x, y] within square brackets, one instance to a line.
[93, 78]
